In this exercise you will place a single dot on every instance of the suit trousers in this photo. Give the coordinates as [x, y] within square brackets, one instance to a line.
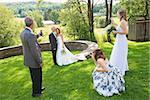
[36, 76]
[54, 56]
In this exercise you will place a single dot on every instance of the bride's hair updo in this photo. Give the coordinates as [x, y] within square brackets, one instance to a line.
[123, 14]
[98, 54]
[57, 29]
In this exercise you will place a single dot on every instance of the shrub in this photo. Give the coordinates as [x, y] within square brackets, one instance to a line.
[100, 22]
[9, 27]
[136, 8]
[74, 23]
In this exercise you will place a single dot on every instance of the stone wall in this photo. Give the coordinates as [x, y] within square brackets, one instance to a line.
[85, 46]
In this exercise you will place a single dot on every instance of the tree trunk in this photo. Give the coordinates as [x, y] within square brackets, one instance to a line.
[110, 12]
[90, 15]
[106, 23]
[80, 10]
[91, 18]
[146, 8]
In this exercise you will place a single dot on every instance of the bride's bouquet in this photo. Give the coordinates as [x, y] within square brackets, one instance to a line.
[63, 51]
[109, 30]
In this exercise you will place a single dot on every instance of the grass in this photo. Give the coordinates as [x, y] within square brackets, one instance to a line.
[74, 82]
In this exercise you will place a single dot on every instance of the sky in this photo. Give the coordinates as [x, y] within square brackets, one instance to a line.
[55, 1]
[9, 1]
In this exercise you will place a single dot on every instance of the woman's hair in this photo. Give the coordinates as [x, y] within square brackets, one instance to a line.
[58, 30]
[98, 54]
[123, 14]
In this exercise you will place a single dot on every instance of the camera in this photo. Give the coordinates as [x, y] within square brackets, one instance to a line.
[40, 33]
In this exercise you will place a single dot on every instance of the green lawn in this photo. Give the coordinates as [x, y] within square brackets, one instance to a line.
[74, 82]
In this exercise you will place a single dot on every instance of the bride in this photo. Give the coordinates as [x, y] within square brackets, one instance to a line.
[63, 55]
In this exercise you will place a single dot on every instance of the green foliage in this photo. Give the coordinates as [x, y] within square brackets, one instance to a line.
[39, 2]
[47, 14]
[115, 8]
[52, 15]
[75, 22]
[100, 8]
[20, 9]
[36, 15]
[9, 27]
[136, 8]
[100, 22]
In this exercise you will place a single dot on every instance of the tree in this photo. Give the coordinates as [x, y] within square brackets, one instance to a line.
[39, 2]
[108, 11]
[80, 10]
[37, 16]
[47, 14]
[85, 11]
[90, 6]
[136, 8]
[72, 18]
[91, 18]
[9, 30]
[90, 15]
[115, 8]
[52, 15]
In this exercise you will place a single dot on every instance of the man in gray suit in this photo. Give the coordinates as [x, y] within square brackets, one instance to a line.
[32, 56]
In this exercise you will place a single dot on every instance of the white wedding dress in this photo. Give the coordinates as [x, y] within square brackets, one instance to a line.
[64, 56]
[119, 53]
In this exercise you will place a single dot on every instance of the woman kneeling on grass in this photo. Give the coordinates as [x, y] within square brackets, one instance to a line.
[107, 79]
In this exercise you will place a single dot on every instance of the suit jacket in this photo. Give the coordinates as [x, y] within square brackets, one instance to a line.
[53, 42]
[31, 49]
